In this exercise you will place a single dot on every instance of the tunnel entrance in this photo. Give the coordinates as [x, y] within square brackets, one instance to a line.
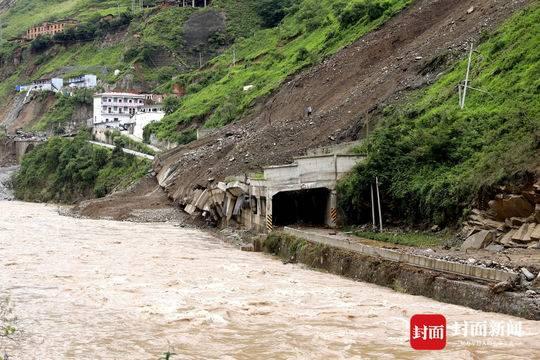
[307, 207]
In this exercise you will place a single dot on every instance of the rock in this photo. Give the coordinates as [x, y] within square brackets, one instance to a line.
[536, 283]
[190, 209]
[535, 235]
[479, 240]
[528, 275]
[530, 293]
[248, 247]
[515, 221]
[532, 196]
[534, 245]
[469, 230]
[537, 213]
[502, 286]
[511, 206]
[470, 10]
[507, 239]
[524, 233]
[435, 228]
[495, 248]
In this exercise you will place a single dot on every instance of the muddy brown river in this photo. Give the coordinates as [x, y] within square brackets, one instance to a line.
[86, 289]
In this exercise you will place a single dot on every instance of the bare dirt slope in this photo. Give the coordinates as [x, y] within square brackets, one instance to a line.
[144, 202]
[344, 92]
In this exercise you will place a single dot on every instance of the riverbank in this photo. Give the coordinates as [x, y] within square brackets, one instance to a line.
[131, 290]
[6, 192]
[485, 289]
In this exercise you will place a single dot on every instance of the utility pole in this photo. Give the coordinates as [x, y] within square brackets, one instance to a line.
[379, 202]
[373, 208]
[462, 105]
[200, 60]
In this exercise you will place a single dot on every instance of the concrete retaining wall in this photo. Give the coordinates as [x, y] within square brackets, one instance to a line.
[400, 276]
[470, 271]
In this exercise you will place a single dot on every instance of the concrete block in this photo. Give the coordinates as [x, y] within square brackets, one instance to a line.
[190, 209]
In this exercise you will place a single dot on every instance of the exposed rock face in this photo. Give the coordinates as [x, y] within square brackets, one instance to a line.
[514, 218]
[511, 206]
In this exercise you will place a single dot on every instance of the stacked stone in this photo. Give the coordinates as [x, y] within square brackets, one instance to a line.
[512, 221]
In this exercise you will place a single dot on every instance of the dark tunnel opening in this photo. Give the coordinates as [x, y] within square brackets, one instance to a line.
[307, 207]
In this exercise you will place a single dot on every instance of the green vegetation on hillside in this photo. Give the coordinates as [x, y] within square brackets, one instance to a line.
[63, 109]
[123, 141]
[26, 13]
[64, 170]
[432, 158]
[312, 30]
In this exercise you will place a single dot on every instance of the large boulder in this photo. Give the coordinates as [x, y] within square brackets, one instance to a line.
[511, 206]
[479, 240]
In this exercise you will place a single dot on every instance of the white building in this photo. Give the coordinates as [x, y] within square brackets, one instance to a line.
[54, 84]
[112, 109]
[88, 81]
[144, 116]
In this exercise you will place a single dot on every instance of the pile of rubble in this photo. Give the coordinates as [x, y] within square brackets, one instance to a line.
[511, 221]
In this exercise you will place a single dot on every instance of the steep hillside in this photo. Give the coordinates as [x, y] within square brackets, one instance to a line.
[345, 92]
[310, 31]
[433, 158]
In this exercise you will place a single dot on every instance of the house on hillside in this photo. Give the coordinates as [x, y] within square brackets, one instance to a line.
[88, 81]
[49, 28]
[125, 110]
[143, 116]
[112, 108]
[184, 3]
[54, 84]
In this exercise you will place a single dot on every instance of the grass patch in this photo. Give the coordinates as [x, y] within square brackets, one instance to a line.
[407, 239]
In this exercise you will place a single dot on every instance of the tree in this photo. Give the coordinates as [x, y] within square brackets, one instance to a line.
[39, 44]
[272, 11]
[171, 104]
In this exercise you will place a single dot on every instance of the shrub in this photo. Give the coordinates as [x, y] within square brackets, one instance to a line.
[369, 10]
[40, 44]
[272, 11]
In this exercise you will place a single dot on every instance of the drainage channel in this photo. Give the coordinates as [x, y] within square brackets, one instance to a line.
[450, 267]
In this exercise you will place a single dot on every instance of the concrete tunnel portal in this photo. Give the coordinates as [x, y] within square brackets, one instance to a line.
[301, 207]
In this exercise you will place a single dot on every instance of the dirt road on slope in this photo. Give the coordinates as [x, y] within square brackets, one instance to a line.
[344, 92]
